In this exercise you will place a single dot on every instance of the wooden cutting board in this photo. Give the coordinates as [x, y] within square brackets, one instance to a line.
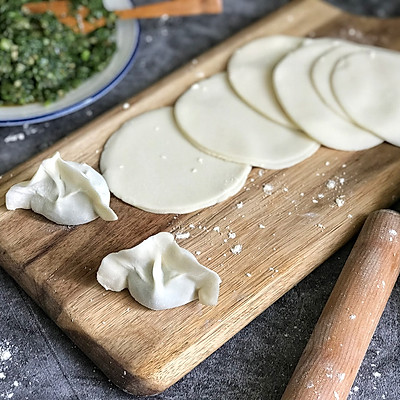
[284, 235]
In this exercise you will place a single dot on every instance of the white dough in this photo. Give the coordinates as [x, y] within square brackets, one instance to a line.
[65, 192]
[159, 274]
[321, 74]
[250, 74]
[296, 93]
[215, 119]
[149, 164]
[367, 85]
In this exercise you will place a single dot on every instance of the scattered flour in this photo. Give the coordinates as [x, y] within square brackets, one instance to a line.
[185, 235]
[6, 350]
[336, 395]
[331, 184]
[341, 376]
[15, 137]
[268, 188]
[5, 355]
[236, 249]
[339, 202]
[164, 18]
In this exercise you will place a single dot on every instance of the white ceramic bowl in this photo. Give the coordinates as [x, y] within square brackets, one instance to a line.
[127, 38]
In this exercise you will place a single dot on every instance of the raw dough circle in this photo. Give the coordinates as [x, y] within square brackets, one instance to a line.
[321, 74]
[250, 74]
[149, 164]
[367, 86]
[215, 119]
[296, 93]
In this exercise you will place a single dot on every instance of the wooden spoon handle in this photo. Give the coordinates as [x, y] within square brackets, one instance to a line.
[333, 355]
[57, 7]
[60, 8]
[172, 8]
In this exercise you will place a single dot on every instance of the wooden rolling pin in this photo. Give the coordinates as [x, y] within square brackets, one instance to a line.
[333, 355]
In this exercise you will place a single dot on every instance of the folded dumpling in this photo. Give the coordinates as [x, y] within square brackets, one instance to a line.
[159, 274]
[65, 192]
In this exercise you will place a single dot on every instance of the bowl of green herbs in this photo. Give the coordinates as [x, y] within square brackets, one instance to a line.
[47, 70]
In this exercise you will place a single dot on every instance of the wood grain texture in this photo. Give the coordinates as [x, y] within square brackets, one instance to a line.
[144, 351]
[338, 344]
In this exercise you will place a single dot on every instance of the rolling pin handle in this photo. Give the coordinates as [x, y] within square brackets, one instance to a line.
[333, 355]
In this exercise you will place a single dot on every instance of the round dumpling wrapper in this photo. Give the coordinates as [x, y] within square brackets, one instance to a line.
[321, 74]
[149, 164]
[217, 121]
[296, 93]
[250, 74]
[367, 85]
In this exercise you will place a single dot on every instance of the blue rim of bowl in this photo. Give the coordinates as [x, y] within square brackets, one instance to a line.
[84, 102]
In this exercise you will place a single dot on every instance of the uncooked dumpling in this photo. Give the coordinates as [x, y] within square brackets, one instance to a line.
[149, 164]
[367, 85]
[217, 121]
[65, 192]
[296, 93]
[250, 74]
[159, 274]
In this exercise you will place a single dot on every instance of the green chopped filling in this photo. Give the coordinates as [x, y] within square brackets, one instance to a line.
[41, 59]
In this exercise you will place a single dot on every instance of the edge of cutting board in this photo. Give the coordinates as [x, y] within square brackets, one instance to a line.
[59, 273]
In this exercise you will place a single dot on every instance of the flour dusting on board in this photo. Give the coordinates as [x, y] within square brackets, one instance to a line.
[184, 235]
[268, 188]
[237, 249]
